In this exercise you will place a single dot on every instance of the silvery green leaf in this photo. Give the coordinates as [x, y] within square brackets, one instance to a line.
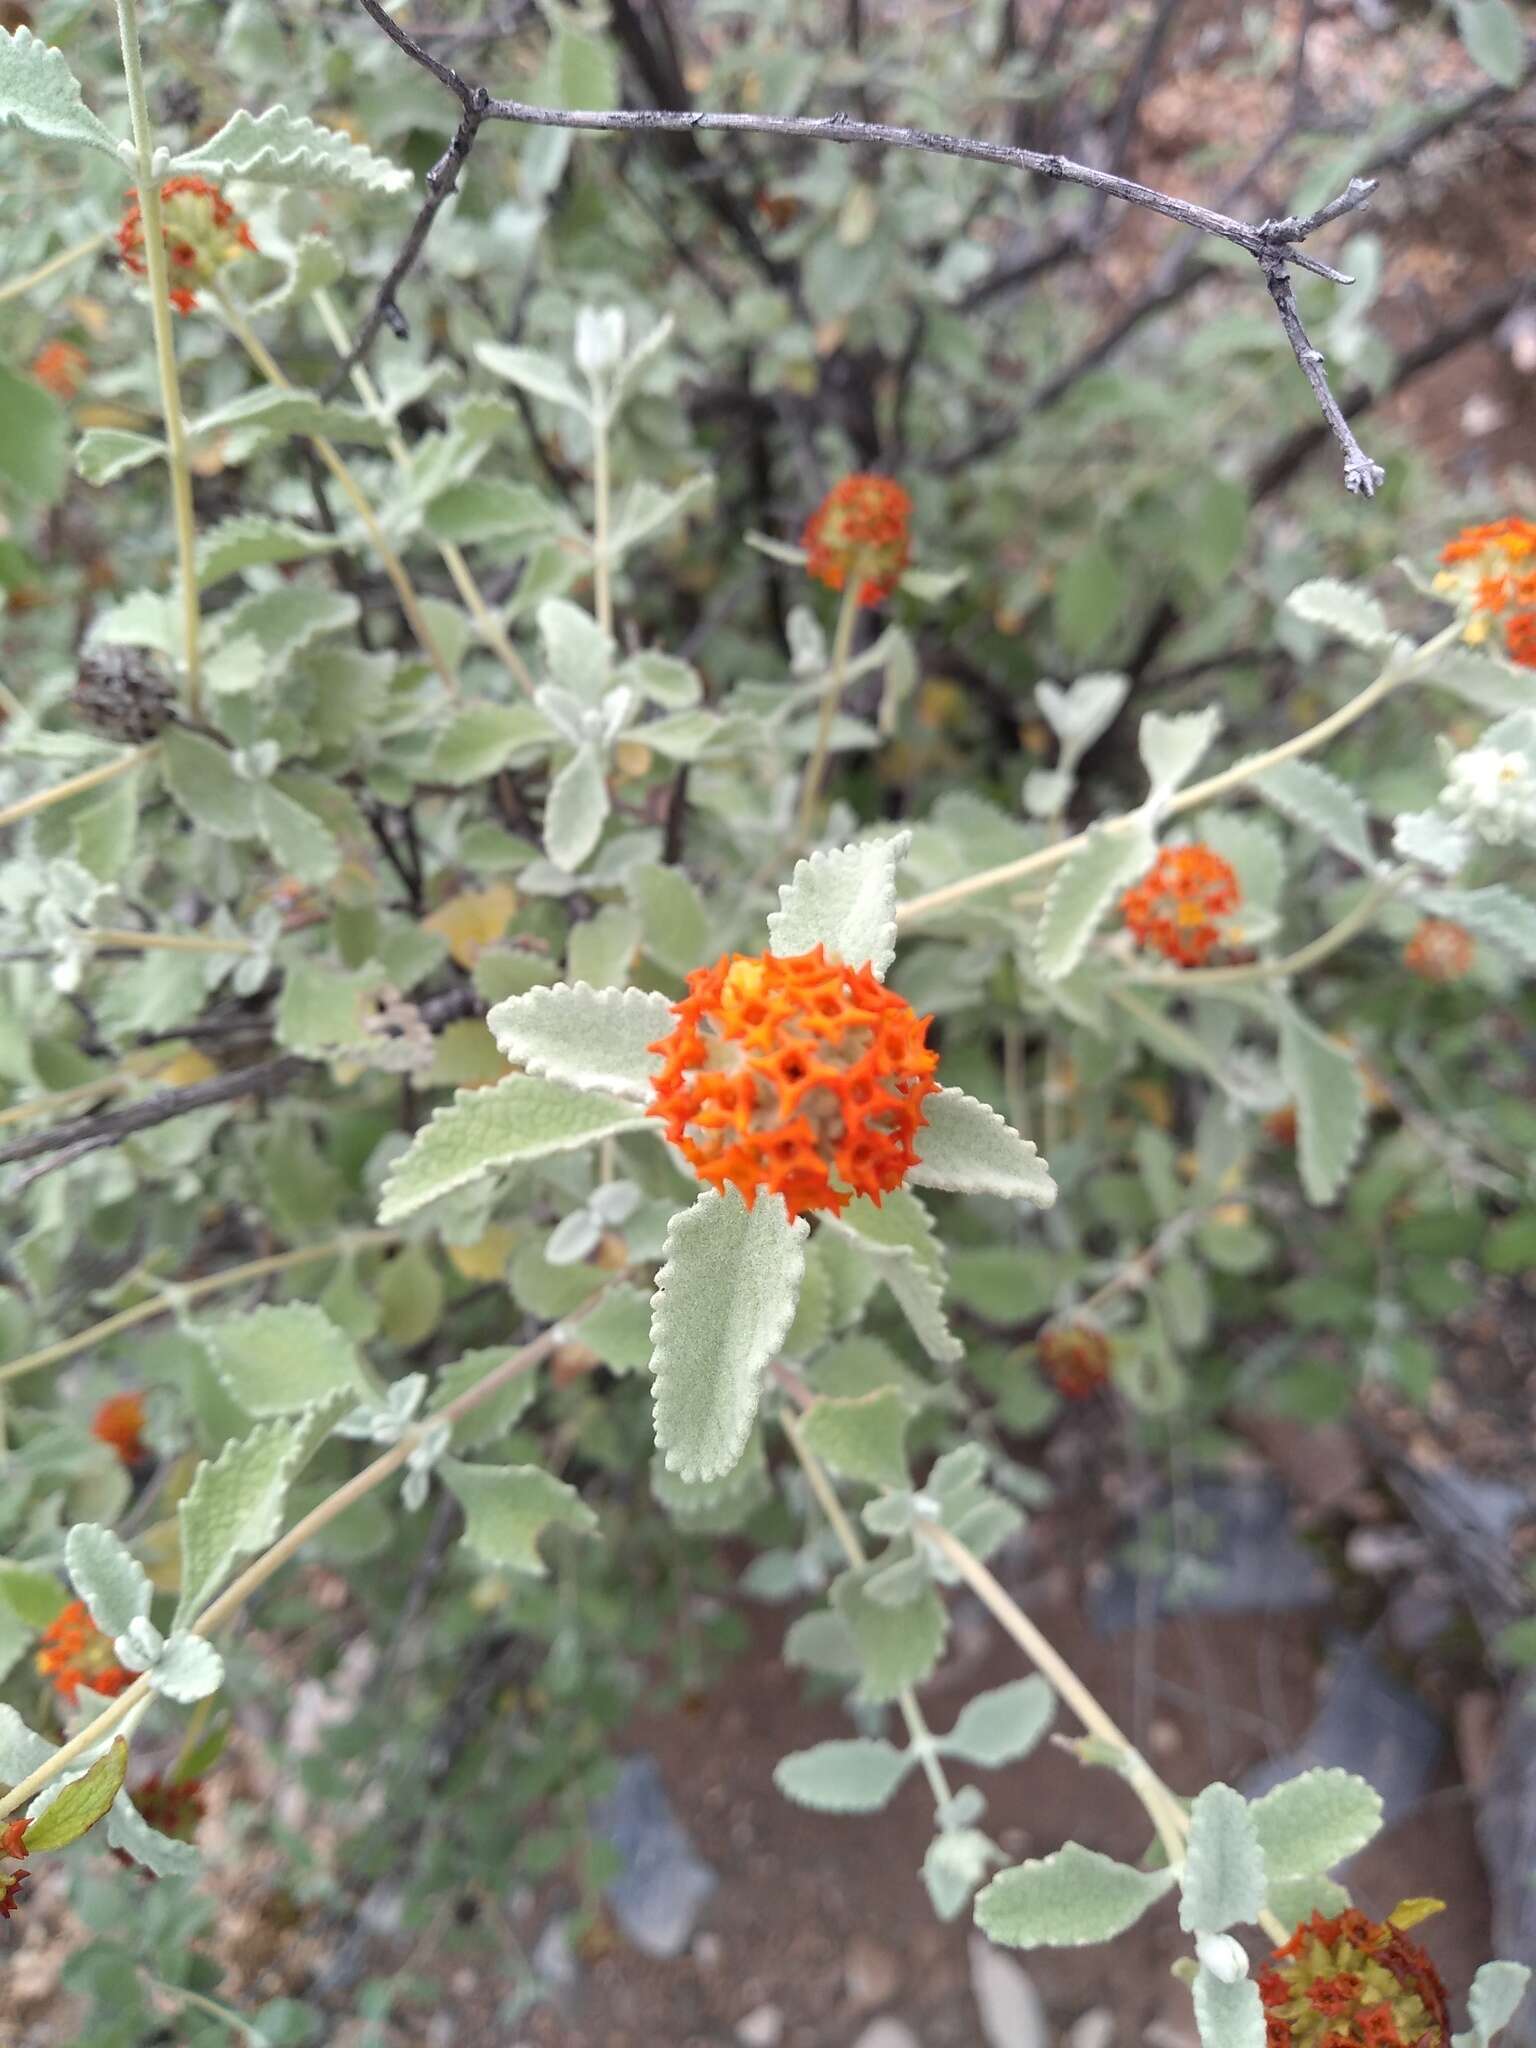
[929, 585]
[956, 1862]
[857, 1776]
[577, 809]
[564, 711]
[898, 1582]
[1067, 1900]
[541, 376]
[1495, 41]
[776, 550]
[233, 1507]
[646, 509]
[591, 1038]
[38, 92]
[279, 148]
[299, 843]
[599, 341]
[1310, 796]
[1171, 746]
[663, 680]
[21, 1751]
[203, 781]
[102, 454]
[601, 949]
[863, 1439]
[140, 1644]
[965, 1147]
[1228, 2015]
[1082, 712]
[845, 900]
[807, 640]
[1433, 840]
[507, 1508]
[1325, 1085]
[1310, 1823]
[1294, 1899]
[577, 652]
[649, 345]
[898, 1642]
[160, 1855]
[1494, 1999]
[187, 1669]
[1046, 791]
[673, 919]
[282, 1357]
[572, 1238]
[1222, 1882]
[1499, 915]
[1083, 888]
[251, 540]
[109, 1579]
[1342, 610]
[725, 1297]
[523, 1117]
[1257, 857]
[898, 1237]
[819, 1641]
[1000, 1726]
[614, 1202]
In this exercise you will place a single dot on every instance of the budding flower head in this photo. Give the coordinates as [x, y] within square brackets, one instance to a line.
[122, 693]
[1075, 1358]
[863, 528]
[797, 1075]
[119, 1421]
[202, 234]
[1440, 950]
[1351, 1982]
[1492, 570]
[1174, 909]
[74, 1652]
[59, 366]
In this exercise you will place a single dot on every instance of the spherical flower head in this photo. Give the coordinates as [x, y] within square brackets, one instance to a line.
[1075, 1358]
[862, 527]
[202, 234]
[1491, 570]
[1520, 629]
[1174, 909]
[74, 1652]
[1440, 950]
[59, 366]
[1494, 791]
[119, 1421]
[1350, 1982]
[796, 1075]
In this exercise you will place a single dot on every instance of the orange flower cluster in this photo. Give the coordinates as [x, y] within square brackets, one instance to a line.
[13, 1847]
[59, 366]
[798, 1075]
[1351, 1982]
[1174, 908]
[1075, 1358]
[119, 1421]
[1440, 950]
[863, 528]
[75, 1652]
[1495, 568]
[202, 234]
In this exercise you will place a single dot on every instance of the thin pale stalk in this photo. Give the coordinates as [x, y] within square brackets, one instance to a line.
[837, 673]
[1391, 678]
[165, 942]
[75, 785]
[16, 287]
[352, 490]
[159, 280]
[602, 496]
[193, 1290]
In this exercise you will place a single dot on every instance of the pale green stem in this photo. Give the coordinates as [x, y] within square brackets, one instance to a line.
[1391, 678]
[352, 490]
[45, 1105]
[158, 277]
[196, 2002]
[192, 1290]
[1316, 950]
[842, 644]
[14, 287]
[602, 510]
[165, 942]
[490, 627]
[75, 785]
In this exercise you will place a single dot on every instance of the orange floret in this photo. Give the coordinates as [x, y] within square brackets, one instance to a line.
[59, 366]
[799, 1075]
[1075, 1358]
[74, 1652]
[862, 526]
[202, 234]
[119, 1421]
[1173, 909]
[1351, 1982]
[1440, 950]
[1493, 570]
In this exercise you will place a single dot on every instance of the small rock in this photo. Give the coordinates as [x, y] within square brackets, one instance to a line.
[870, 1974]
[1007, 2002]
[763, 2028]
[1092, 2029]
[707, 1950]
[554, 1959]
[887, 2033]
[663, 1883]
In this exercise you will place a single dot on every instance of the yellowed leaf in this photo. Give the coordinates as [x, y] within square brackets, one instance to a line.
[487, 1258]
[473, 920]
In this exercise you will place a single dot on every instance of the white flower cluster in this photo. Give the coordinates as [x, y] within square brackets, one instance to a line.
[1494, 792]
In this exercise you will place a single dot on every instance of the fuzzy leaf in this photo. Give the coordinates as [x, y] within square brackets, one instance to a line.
[283, 1357]
[844, 900]
[489, 508]
[857, 1776]
[577, 808]
[480, 738]
[541, 376]
[1492, 2002]
[591, 1038]
[1082, 711]
[250, 540]
[1171, 745]
[188, 1668]
[103, 454]
[1497, 914]
[898, 1642]
[109, 1579]
[863, 1438]
[1434, 839]
[233, 1507]
[507, 1508]
[1067, 1900]
[279, 148]
[1082, 890]
[81, 1803]
[1342, 610]
[21, 1752]
[34, 438]
[521, 1118]
[956, 1862]
[1000, 1726]
[159, 1854]
[39, 92]
[1228, 2015]
[899, 1237]
[297, 840]
[674, 923]
[271, 413]
[1310, 1823]
[725, 1297]
[1325, 1085]
[1495, 40]
[1223, 1877]
[965, 1147]
[205, 784]
[1310, 796]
